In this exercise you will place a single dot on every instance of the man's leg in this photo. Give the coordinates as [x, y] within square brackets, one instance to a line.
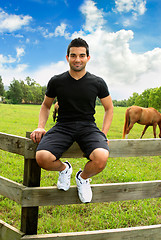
[94, 144]
[98, 159]
[47, 161]
[56, 141]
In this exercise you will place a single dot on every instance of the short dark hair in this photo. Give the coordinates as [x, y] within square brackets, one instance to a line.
[78, 42]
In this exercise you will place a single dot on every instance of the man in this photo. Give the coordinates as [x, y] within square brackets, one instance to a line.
[76, 91]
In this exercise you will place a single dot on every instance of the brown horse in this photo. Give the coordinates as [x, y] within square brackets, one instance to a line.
[56, 106]
[144, 116]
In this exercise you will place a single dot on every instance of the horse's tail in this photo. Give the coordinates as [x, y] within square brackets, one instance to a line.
[56, 106]
[126, 124]
[54, 115]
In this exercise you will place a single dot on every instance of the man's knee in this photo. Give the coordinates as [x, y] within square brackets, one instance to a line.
[43, 158]
[100, 157]
[102, 161]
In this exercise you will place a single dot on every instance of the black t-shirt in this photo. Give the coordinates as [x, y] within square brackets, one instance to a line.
[76, 98]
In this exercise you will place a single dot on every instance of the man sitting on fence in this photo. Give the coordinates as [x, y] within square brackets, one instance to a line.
[76, 91]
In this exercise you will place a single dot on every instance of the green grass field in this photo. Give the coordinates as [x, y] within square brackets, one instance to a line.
[17, 119]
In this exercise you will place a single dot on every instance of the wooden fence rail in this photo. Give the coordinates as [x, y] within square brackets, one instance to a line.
[118, 147]
[30, 195]
[112, 192]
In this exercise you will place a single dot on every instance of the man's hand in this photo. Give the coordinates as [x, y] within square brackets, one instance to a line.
[37, 134]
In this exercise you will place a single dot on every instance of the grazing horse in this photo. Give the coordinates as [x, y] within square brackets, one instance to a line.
[144, 116]
[56, 106]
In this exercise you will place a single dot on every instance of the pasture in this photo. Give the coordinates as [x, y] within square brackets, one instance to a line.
[17, 119]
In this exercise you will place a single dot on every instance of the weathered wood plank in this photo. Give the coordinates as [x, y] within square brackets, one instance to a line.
[29, 215]
[133, 233]
[8, 232]
[30, 149]
[135, 147]
[74, 151]
[111, 192]
[43, 196]
[31, 178]
[19, 145]
[11, 189]
[118, 147]
[12, 143]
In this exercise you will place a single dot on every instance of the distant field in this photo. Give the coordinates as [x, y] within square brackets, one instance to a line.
[17, 119]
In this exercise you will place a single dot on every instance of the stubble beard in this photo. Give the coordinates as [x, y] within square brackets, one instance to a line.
[77, 69]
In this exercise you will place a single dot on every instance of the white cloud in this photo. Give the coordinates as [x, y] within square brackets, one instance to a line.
[6, 59]
[11, 68]
[9, 73]
[147, 80]
[115, 61]
[44, 73]
[140, 7]
[61, 31]
[20, 68]
[94, 16]
[130, 10]
[20, 53]
[45, 32]
[12, 22]
[137, 7]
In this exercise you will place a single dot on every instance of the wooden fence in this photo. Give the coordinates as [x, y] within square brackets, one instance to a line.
[30, 195]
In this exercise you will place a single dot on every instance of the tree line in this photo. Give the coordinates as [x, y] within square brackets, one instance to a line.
[29, 91]
[20, 91]
[148, 98]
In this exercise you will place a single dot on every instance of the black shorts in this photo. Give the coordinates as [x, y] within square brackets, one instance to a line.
[61, 136]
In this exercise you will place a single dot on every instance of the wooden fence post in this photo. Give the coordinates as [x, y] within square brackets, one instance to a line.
[31, 178]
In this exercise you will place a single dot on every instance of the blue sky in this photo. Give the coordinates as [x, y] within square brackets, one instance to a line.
[124, 38]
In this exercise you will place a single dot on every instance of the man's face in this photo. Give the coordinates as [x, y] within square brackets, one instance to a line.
[77, 58]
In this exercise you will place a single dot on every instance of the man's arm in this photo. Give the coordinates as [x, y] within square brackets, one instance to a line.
[107, 120]
[43, 117]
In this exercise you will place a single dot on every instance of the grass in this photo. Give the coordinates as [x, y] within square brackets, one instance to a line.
[17, 119]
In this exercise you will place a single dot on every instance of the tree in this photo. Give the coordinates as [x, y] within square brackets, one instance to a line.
[2, 91]
[38, 94]
[120, 103]
[30, 82]
[143, 99]
[27, 92]
[15, 93]
[131, 100]
[43, 90]
[155, 98]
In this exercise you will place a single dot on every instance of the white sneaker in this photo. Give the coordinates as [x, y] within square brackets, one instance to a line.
[64, 177]
[84, 188]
